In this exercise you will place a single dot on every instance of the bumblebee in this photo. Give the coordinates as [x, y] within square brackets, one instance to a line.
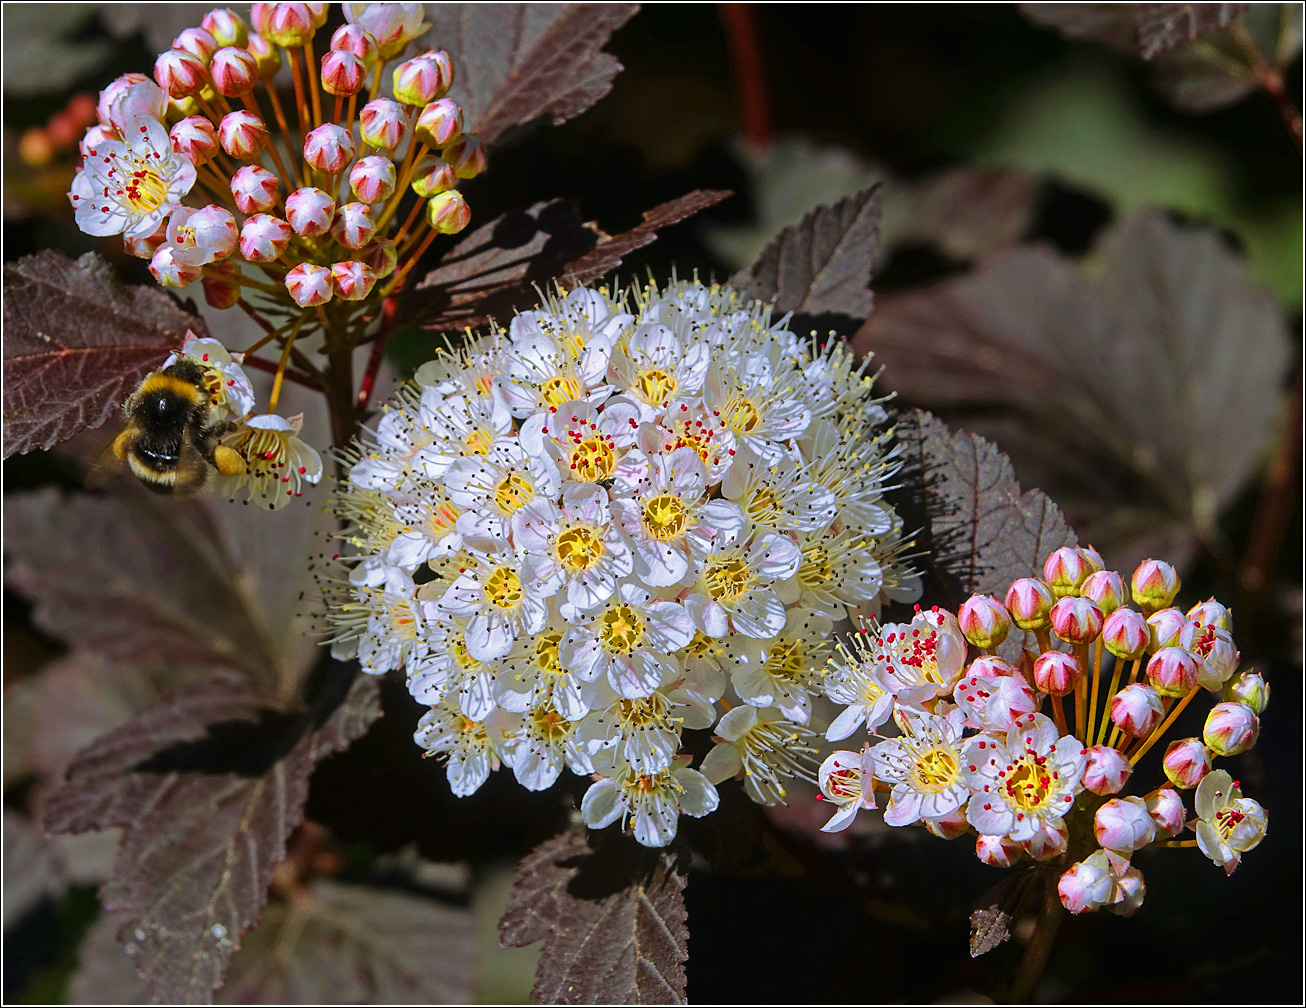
[171, 442]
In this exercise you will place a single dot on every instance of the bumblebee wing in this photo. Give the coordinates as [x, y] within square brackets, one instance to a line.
[94, 455]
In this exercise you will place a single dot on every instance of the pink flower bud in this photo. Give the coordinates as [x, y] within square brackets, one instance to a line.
[287, 25]
[310, 211]
[180, 74]
[1093, 558]
[95, 136]
[329, 148]
[432, 177]
[199, 237]
[219, 292]
[989, 667]
[194, 138]
[1055, 672]
[1029, 601]
[1048, 841]
[352, 280]
[1065, 570]
[947, 827]
[266, 56]
[198, 42]
[354, 227]
[372, 179]
[355, 39]
[1154, 585]
[1106, 770]
[319, 12]
[984, 621]
[1164, 627]
[448, 212]
[1085, 886]
[1211, 613]
[309, 285]
[1126, 634]
[994, 703]
[343, 73]
[393, 25]
[243, 135]
[144, 248]
[1105, 589]
[264, 238]
[226, 26]
[258, 15]
[420, 80]
[382, 256]
[1186, 762]
[255, 189]
[1249, 688]
[165, 268]
[1129, 891]
[1136, 709]
[1167, 811]
[1123, 825]
[381, 124]
[113, 92]
[1231, 728]
[440, 123]
[1173, 671]
[997, 851]
[467, 156]
[1076, 620]
[234, 72]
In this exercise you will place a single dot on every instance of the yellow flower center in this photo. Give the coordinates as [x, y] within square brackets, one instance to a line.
[579, 547]
[546, 653]
[816, 568]
[592, 459]
[786, 660]
[727, 580]
[479, 441]
[936, 769]
[503, 588]
[655, 385]
[458, 648]
[512, 493]
[145, 191]
[1027, 784]
[761, 505]
[621, 629]
[741, 415]
[549, 726]
[474, 731]
[560, 389]
[665, 517]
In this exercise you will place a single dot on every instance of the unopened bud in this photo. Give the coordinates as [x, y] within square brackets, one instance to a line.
[1212, 613]
[372, 179]
[421, 80]
[95, 136]
[1250, 688]
[984, 621]
[1049, 840]
[310, 285]
[467, 156]
[145, 247]
[1105, 770]
[1231, 728]
[180, 74]
[198, 42]
[226, 26]
[382, 256]
[310, 211]
[1123, 825]
[329, 148]
[1125, 634]
[1065, 570]
[1076, 620]
[997, 851]
[234, 72]
[356, 39]
[448, 212]
[1186, 762]
[243, 135]
[1129, 892]
[195, 139]
[1136, 710]
[1154, 585]
[949, 826]
[165, 269]
[288, 25]
[343, 73]
[381, 124]
[433, 176]
[266, 56]
[354, 226]
[264, 238]
[1164, 627]
[1029, 601]
[1167, 811]
[1087, 885]
[255, 189]
[224, 291]
[1173, 671]
[440, 123]
[1093, 558]
[258, 15]
[1105, 589]
[353, 281]
[114, 92]
[1056, 672]
[319, 12]
[35, 148]
[989, 667]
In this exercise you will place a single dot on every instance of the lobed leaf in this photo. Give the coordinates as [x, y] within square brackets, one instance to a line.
[207, 782]
[990, 921]
[612, 918]
[77, 342]
[517, 62]
[820, 269]
[1162, 26]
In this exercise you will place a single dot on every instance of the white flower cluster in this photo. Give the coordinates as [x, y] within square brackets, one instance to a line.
[581, 535]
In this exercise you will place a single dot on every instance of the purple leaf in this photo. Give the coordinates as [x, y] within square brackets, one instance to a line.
[1162, 26]
[76, 344]
[990, 921]
[612, 918]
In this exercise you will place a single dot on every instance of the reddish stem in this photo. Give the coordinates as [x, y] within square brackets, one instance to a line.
[264, 324]
[389, 310]
[750, 71]
[1272, 511]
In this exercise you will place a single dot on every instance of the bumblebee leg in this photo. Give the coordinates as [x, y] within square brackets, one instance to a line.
[120, 446]
[228, 461]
